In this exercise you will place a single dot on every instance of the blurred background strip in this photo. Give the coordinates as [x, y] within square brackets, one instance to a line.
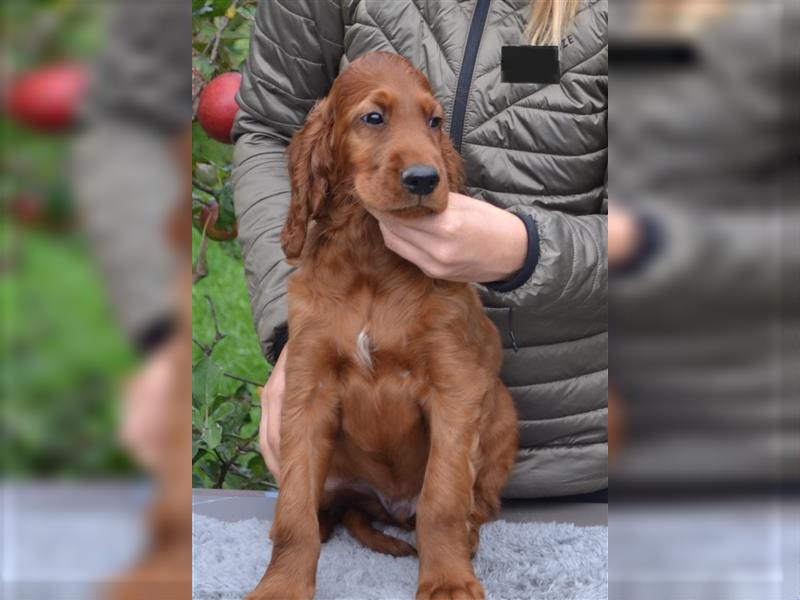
[705, 313]
[95, 353]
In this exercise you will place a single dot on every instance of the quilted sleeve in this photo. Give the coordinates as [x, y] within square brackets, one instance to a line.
[571, 271]
[567, 262]
[294, 58]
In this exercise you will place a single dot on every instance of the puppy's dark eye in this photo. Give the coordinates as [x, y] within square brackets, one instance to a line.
[435, 122]
[373, 118]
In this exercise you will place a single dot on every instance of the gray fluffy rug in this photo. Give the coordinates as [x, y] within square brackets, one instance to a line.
[516, 561]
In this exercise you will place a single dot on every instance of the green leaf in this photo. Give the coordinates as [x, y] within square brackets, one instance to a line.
[197, 417]
[258, 471]
[205, 66]
[237, 51]
[196, 449]
[204, 149]
[234, 482]
[203, 34]
[212, 435]
[201, 480]
[206, 174]
[244, 459]
[227, 450]
[249, 430]
[223, 411]
[248, 12]
[206, 470]
[206, 378]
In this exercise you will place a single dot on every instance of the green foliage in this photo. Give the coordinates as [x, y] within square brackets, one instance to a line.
[207, 151]
[209, 8]
[41, 32]
[63, 357]
[228, 369]
[63, 361]
[232, 23]
[228, 366]
[225, 427]
[238, 352]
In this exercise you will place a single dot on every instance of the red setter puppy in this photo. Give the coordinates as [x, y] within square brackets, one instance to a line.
[394, 409]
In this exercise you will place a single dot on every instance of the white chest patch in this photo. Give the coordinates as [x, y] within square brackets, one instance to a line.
[364, 349]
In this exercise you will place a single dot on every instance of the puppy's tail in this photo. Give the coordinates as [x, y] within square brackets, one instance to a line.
[360, 527]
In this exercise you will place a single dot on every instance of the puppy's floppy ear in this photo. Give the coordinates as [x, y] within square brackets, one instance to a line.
[453, 164]
[310, 165]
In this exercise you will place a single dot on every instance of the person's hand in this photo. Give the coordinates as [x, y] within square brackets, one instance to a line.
[269, 430]
[623, 236]
[146, 412]
[470, 241]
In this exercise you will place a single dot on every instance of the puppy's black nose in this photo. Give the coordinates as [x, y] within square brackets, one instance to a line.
[420, 180]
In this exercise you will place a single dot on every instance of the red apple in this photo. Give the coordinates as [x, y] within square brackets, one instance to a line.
[217, 107]
[48, 98]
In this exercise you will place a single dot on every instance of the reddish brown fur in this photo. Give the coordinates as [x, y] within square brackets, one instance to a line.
[430, 418]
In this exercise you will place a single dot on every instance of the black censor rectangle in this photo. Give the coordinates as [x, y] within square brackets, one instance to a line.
[651, 55]
[530, 64]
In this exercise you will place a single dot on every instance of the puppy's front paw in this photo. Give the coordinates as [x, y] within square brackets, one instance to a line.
[468, 588]
[281, 588]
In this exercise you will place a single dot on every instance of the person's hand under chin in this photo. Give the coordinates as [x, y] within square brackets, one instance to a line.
[470, 241]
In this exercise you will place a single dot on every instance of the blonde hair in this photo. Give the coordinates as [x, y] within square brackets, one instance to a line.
[549, 20]
[679, 18]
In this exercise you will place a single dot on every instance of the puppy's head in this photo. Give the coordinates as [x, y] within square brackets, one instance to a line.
[378, 137]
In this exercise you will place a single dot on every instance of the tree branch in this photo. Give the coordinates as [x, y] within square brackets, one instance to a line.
[200, 266]
[234, 469]
[242, 379]
[224, 21]
[223, 471]
[207, 350]
[218, 336]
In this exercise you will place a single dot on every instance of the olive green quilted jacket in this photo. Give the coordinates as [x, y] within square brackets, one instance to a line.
[538, 149]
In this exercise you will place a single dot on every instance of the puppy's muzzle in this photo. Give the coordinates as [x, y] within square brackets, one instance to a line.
[420, 180]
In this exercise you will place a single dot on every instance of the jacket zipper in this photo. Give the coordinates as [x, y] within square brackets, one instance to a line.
[476, 27]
